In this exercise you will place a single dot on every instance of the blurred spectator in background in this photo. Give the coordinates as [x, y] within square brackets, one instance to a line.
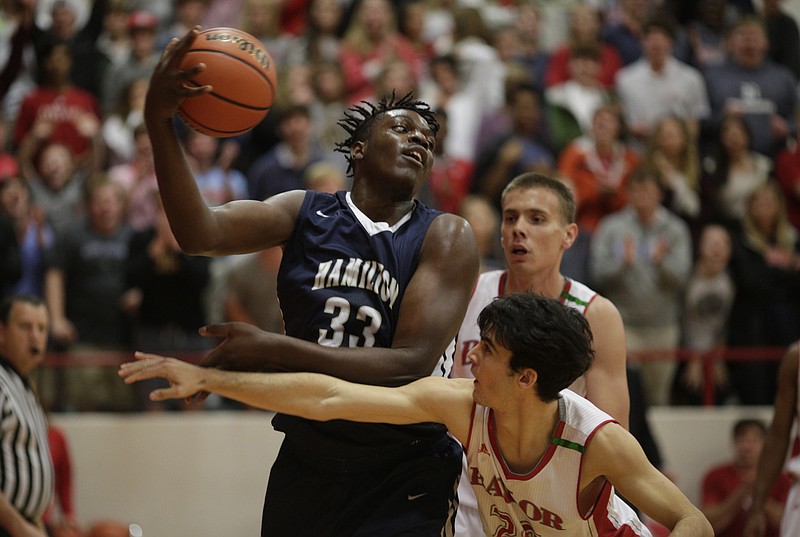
[164, 297]
[138, 179]
[321, 39]
[114, 42]
[19, 64]
[58, 110]
[520, 149]
[484, 219]
[186, 14]
[571, 105]
[640, 259]
[672, 151]
[395, 76]
[218, 185]
[479, 63]
[325, 176]
[82, 42]
[411, 23]
[60, 518]
[461, 100]
[706, 307]
[584, 30]
[261, 19]
[142, 59]
[84, 282]
[766, 311]
[328, 105]
[371, 40]
[658, 85]
[251, 290]
[11, 264]
[750, 85]
[624, 31]
[706, 32]
[450, 178]
[729, 178]
[597, 167]
[56, 182]
[34, 237]
[281, 169]
[527, 50]
[727, 490]
[783, 36]
[120, 123]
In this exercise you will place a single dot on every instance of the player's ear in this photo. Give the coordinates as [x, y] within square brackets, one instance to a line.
[357, 151]
[528, 377]
[570, 234]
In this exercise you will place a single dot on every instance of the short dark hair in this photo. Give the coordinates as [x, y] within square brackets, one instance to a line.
[743, 425]
[530, 180]
[359, 119]
[542, 334]
[9, 301]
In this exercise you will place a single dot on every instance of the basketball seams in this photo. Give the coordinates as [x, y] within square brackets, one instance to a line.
[205, 129]
[260, 71]
[227, 100]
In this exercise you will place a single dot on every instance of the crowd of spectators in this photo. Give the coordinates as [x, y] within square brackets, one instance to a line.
[672, 121]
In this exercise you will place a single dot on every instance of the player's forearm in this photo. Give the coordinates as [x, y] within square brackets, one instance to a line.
[300, 394]
[191, 220]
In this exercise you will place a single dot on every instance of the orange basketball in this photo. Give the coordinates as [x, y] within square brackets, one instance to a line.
[242, 75]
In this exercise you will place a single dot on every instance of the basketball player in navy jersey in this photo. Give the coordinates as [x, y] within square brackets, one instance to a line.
[373, 286]
[544, 460]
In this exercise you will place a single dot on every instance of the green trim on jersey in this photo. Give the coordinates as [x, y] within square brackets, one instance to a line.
[569, 445]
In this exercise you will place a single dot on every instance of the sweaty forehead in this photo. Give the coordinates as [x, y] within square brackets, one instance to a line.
[409, 115]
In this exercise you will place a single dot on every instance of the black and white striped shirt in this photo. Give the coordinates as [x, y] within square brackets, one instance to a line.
[26, 469]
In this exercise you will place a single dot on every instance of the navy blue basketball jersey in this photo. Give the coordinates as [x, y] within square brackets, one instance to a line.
[340, 284]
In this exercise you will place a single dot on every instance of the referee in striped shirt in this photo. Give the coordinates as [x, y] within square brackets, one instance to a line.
[26, 470]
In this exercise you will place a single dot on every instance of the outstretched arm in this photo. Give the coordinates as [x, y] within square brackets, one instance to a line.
[237, 227]
[776, 444]
[430, 314]
[616, 455]
[313, 396]
[606, 379]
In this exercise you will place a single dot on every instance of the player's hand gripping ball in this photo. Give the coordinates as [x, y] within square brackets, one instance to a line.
[243, 80]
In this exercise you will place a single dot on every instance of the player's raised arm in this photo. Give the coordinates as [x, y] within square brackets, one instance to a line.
[312, 395]
[237, 227]
[616, 455]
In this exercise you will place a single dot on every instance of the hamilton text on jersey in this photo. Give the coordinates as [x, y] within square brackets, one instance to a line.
[369, 275]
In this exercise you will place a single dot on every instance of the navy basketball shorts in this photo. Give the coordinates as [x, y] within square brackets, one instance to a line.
[379, 497]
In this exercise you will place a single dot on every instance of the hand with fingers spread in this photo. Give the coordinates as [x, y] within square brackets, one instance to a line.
[185, 380]
[168, 84]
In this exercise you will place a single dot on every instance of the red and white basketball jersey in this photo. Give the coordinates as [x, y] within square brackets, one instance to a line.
[544, 501]
[489, 286]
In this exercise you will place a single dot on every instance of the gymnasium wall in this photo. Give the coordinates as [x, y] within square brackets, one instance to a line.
[203, 474]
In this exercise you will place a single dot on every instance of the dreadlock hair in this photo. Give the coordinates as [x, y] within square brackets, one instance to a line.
[359, 119]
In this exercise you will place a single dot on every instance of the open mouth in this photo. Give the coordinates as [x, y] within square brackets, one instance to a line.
[415, 155]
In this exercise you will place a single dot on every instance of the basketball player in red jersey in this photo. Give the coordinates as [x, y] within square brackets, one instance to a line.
[544, 460]
[538, 225]
[372, 285]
